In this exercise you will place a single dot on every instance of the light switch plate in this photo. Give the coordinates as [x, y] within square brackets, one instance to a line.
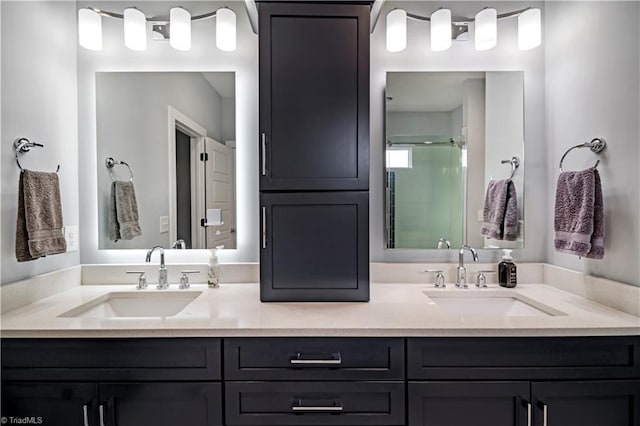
[71, 236]
[164, 224]
[480, 216]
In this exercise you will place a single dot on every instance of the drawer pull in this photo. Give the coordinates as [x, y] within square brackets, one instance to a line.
[264, 154]
[300, 359]
[545, 415]
[85, 415]
[528, 414]
[337, 408]
[101, 411]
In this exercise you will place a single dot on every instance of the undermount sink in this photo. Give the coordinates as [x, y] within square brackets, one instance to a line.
[134, 305]
[490, 304]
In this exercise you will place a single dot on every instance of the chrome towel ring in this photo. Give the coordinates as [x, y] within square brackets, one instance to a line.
[515, 163]
[111, 163]
[597, 145]
[24, 145]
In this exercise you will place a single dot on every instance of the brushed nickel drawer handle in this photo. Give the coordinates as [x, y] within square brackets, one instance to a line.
[264, 154]
[101, 411]
[317, 408]
[85, 415]
[299, 359]
[545, 415]
[528, 414]
[264, 227]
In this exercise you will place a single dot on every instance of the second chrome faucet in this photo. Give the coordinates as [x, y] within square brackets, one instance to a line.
[163, 284]
[461, 279]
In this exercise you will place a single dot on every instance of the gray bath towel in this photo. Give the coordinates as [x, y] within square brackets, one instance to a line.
[500, 213]
[579, 214]
[123, 212]
[39, 224]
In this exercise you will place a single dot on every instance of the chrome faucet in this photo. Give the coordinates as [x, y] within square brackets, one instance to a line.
[461, 282]
[162, 272]
[443, 242]
[179, 244]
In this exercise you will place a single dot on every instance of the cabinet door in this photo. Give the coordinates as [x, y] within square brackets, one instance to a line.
[469, 403]
[161, 404]
[314, 96]
[51, 404]
[315, 247]
[602, 403]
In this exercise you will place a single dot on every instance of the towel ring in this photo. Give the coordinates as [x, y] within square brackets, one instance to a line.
[515, 163]
[597, 145]
[111, 163]
[23, 145]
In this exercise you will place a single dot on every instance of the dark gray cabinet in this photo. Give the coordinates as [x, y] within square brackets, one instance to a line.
[315, 246]
[314, 151]
[469, 403]
[314, 96]
[51, 404]
[591, 403]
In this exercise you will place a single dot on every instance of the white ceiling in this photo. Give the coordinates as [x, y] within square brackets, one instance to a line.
[223, 82]
[426, 91]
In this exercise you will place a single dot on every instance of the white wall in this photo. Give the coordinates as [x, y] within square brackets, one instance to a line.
[39, 102]
[132, 111]
[592, 72]
[204, 57]
[461, 57]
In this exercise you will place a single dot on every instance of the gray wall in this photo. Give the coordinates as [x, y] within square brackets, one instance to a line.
[39, 102]
[461, 57]
[592, 72]
[132, 111]
[159, 56]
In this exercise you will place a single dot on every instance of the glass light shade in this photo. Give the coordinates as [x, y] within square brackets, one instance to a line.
[486, 34]
[135, 29]
[90, 29]
[529, 29]
[396, 30]
[440, 30]
[226, 29]
[180, 29]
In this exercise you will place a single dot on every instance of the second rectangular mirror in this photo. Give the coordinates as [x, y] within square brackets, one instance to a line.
[176, 133]
[450, 137]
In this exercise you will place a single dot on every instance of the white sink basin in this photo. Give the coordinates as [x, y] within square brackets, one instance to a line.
[489, 304]
[134, 305]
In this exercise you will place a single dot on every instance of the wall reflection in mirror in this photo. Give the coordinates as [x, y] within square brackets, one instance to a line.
[176, 132]
[452, 143]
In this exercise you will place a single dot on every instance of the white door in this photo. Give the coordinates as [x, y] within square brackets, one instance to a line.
[219, 193]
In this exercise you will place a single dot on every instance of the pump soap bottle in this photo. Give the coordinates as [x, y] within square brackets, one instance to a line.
[507, 273]
[213, 269]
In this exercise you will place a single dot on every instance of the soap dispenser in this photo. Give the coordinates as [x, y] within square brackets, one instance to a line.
[507, 273]
[213, 269]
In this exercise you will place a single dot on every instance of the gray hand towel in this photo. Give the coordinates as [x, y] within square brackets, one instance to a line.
[123, 212]
[39, 224]
[500, 212]
[579, 214]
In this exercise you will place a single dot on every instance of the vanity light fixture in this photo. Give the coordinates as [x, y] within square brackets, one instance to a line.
[441, 30]
[135, 29]
[486, 29]
[180, 29]
[445, 28]
[177, 29]
[396, 30]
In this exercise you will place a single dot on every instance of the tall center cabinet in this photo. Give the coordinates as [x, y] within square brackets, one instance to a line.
[314, 151]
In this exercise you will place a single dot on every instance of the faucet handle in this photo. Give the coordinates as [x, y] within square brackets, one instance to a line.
[481, 280]
[142, 279]
[184, 279]
[439, 277]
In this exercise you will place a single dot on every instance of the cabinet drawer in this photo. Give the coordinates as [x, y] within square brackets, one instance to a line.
[314, 403]
[524, 358]
[314, 359]
[111, 359]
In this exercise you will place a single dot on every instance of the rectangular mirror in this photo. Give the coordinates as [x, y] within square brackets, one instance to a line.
[176, 133]
[450, 136]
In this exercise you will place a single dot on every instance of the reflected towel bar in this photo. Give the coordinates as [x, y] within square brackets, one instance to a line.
[111, 163]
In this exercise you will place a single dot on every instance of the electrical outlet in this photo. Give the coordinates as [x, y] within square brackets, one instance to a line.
[71, 236]
[164, 224]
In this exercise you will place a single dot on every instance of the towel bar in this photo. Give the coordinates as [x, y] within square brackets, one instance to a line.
[515, 163]
[23, 145]
[597, 145]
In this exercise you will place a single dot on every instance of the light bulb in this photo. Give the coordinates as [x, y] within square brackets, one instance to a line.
[226, 29]
[135, 29]
[90, 29]
[396, 30]
[486, 34]
[529, 29]
[180, 29]
[440, 30]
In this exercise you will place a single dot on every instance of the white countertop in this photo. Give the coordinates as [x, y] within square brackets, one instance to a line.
[397, 309]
